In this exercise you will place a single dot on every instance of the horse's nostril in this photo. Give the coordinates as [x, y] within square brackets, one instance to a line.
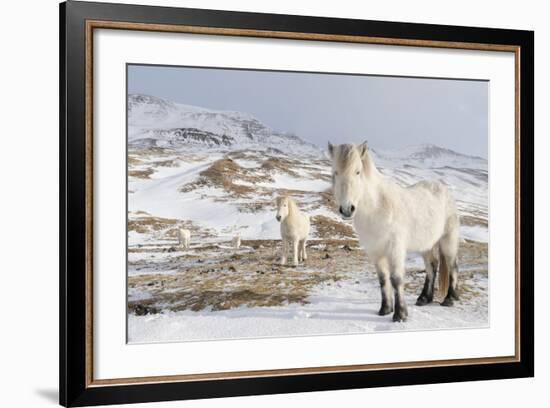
[352, 208]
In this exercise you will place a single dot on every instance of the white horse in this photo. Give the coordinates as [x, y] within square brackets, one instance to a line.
[237, 241]
[294, 229]
[184, 236]
[392, 220]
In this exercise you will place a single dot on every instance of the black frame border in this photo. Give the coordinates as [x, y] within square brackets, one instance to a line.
[72, 125]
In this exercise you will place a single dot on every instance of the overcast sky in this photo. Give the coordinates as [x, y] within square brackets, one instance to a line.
[388, 112]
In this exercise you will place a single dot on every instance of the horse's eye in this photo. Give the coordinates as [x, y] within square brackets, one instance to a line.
[357, 172]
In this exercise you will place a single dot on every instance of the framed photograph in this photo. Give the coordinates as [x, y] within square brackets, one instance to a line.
[256, 204]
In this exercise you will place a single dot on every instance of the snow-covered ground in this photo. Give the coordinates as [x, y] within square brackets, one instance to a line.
[217, 174]
[347, 307]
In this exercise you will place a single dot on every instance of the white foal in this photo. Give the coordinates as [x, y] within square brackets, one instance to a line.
[184, 236]
[294, 229]
[236, 241]
[392, 220]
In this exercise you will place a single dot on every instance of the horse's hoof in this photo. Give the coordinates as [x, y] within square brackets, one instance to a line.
[447, 302]
[422, 300]
[384, 310]
[400, 317]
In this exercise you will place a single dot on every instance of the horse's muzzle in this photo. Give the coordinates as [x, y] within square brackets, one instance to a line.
[347, 212]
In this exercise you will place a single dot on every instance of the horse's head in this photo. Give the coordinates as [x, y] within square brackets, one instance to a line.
[349, 172]
[283, 204]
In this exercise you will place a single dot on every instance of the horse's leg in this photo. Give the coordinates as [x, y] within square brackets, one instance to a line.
[452, 294]
[283, 252]
[383, 272]
[303, 250]
[295, 244]
[431, 263]
[397, 276]
[449, 249]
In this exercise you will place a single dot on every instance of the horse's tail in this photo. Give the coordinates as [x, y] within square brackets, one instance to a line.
[443, 286]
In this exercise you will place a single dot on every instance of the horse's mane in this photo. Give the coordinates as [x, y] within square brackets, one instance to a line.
[292, 207]
[347, 152]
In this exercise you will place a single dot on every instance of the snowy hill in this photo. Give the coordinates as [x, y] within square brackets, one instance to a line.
[233, 163]
[427, 155]
[154, 121]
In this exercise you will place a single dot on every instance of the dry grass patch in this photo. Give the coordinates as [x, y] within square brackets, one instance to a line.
[148, 223]
[141, 173]
[279, 164]
[327, 227]
[226, 174]
[473, 221]
[221, 280]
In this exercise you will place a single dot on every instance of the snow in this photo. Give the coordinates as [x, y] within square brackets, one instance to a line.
[474, 233]
[288, 182]
[155, 118]
[341, 308]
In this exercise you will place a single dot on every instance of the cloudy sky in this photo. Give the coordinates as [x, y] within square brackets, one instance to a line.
[388, 112]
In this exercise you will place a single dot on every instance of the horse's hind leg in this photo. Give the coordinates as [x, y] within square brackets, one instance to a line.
[296, 245]
[383, 272]
[303, 250]
[431, 262]
[452, 293]
[449, 250]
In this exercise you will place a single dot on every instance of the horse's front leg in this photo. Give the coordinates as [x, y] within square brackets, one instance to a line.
[283, 252]
[400, 312]
[383, 272]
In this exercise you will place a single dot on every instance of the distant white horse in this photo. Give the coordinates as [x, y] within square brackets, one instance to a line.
[392, 220]
[237, 241]
[294, 229]
[184, 236]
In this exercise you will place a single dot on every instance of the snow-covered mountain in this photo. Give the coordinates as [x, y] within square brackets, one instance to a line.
[154, 121]
[237, 165]
[427, 155]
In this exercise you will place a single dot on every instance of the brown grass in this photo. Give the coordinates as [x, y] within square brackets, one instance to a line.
[222, 174]
[220, 280]
[142, 174]
[279, 164]
[327, 227]
[149, 223]
[473, 221]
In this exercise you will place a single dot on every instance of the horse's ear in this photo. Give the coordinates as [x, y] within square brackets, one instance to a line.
[331, 150]
[363, 149]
